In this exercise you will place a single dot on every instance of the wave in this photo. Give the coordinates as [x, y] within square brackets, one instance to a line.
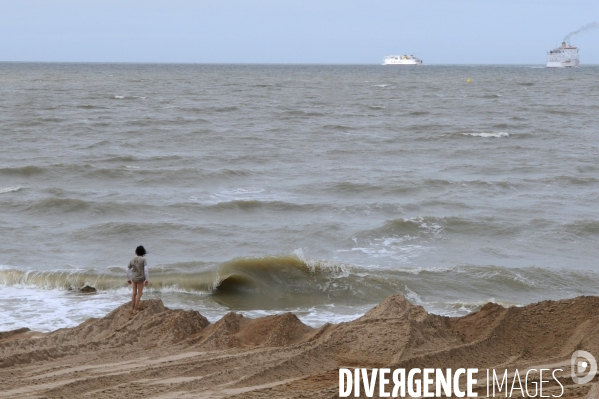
[569, 112]
[488, 135]
[58, 204]
[89, 106]
[290, 281]
[121, 169]
[9, 190]
[573, 230]
[227, 173]
[131, 158]
[97, 144]
[461, 135]
[302, 113]
[491, 96]
[393, 188]
[437, 228]
[250, 204]
[432, 226]
[124, 229]
[62, 204]
[346, 187]
[582, 228]
[163, 122]
[224, 109]
[566, 180]
[28, 171]
[118, 97]
[408, 227]
[261, 275]
[517, 118]
[338, 127]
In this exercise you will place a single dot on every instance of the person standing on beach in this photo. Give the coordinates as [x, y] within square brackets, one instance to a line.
[138, 276]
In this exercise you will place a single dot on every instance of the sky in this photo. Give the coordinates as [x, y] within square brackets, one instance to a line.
[302, 31]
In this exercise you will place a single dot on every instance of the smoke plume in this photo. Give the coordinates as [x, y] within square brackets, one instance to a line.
[589, 26]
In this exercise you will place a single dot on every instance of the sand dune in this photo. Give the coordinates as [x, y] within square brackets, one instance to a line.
[164, 353]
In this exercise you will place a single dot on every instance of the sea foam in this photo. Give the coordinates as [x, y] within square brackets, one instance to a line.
[488, 135]
[9, 190]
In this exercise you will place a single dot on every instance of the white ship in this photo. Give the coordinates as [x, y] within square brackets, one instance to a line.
[401, 60]
[565, 56]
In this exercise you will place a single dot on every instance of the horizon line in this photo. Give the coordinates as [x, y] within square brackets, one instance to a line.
[273, 63]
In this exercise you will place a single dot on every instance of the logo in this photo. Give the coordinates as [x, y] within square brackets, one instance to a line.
[580, 366]
[462, 382]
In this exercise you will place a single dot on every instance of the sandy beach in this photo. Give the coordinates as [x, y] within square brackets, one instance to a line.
[165, 353]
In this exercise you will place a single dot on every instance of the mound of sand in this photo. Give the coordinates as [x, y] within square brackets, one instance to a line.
[236, 331]
[154, 326]
[164, 353]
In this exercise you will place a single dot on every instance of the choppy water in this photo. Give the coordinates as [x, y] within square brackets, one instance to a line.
[314, 189]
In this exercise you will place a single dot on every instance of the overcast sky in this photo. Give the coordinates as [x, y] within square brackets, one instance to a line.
[302, 31]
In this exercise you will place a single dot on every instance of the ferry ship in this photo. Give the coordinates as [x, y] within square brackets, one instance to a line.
[401, 60]
[565, 56]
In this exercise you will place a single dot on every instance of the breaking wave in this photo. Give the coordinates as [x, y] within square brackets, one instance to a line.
[276, 282]
[488, 135]
[9, 190]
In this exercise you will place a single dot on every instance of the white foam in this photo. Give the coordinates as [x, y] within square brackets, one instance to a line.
[241, 194]
[9, 190]
[48, 310]
[459, 308]
[132, 167]
[391, 248]
[300, 254]
[488, 135]
[381, 85]
[119, 97]
[412, 296]
[399, 248]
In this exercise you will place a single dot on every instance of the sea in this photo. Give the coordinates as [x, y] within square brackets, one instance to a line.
[313, 189]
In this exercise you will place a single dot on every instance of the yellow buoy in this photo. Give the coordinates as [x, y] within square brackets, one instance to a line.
[468, 80]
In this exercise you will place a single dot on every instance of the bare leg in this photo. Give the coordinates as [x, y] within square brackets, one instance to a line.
[139, 287]
[134, 286]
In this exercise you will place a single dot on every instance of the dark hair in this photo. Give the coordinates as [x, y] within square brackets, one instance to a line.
[140, 251]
